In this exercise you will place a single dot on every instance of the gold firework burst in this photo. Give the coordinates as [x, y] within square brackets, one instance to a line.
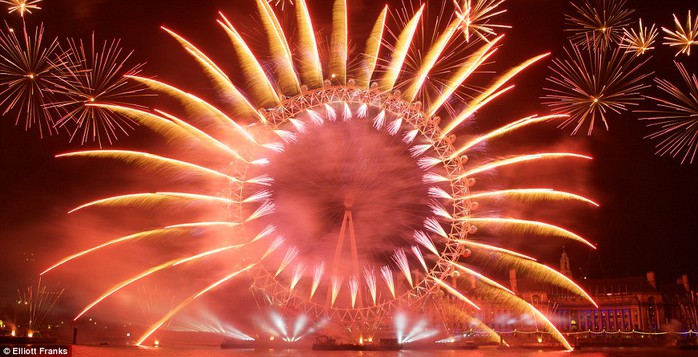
[476, 17]
[676, 122]
[684, 36]
[28, 73]
[602, 21]
[588, 83]
[89, 76]
[21, 6]
[639, 41]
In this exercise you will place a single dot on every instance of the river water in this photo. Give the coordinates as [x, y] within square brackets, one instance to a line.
[80, 351]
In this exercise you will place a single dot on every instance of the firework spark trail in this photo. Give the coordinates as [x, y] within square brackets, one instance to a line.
[169, 129]
[567, 283]
[387, 275]
[336, 285]
[316, 118]
[455, 292]
[339, 42]
[21, 6]
[281, 53]
[394, 126]
[387, 82]
[372, 47]
[520, 159]
[354, 289]
[186, 302]
[495, 249]
[202, 136]
[370, 277]
[462, 74]
[266, 208]
[149, 160]
[531, 194]
[139, 235]
[330, 113]
[454, 309]
[420, 257]
[588, 83]
[281, 3]
[528, 265]
[410, 136]
[286, 136]
[432, 225]
[258, 84]
[152, 199]
[677, 120]
[431, 177]
[439, 210]
[262, 195]
[297, 274]
[291, 254]
[485, 279]
[684, 37]
[430, 59]
[556, 333]
[241, 106]
[400, 259]
[640, 41]
[149, 272]
[278, 242]
[599, 22]
[362, 112]
[192, 104]
[346, 112]
[423, 239]
[419, 150]
[490, 93]
[309, 62]
[264, 233]
[506, 129]
[527, 226]
[437, 192]
[317, 276]
[379, 120]
[298, 125]
[524, 307]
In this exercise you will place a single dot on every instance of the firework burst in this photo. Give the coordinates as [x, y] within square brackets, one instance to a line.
[28, 74]
[598, 22]
[475, 18]
[640, 41]
[91, 76]
[684, 36]
[350, 163]
[21, 6]
[587, 84]
[676, 122]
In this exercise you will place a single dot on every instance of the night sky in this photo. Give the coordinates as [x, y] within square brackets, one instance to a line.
[648, 219]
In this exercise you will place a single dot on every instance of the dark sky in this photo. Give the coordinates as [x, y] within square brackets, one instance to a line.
[648, 216]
